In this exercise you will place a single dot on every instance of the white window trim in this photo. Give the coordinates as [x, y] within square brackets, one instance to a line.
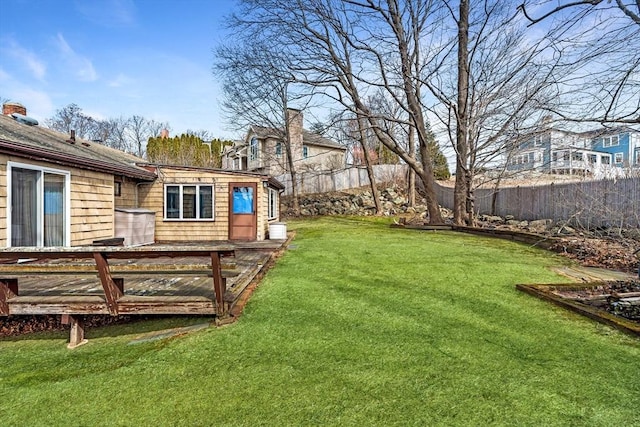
[271, 192]
[607, 141]
[67, 200]
[615, 158]
[254, 156]
[197, 185]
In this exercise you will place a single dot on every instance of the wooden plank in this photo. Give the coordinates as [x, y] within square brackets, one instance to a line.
[219, 283]
[138, 270]
[8, 290]
[67, 304]
[111, 291]
[166, 305]
[115, 252]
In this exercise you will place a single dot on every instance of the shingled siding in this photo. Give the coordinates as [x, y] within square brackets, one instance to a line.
[92, 206]
[606, 203]
[3, 201]
[152, 197]
[92, 202]
[127, 197]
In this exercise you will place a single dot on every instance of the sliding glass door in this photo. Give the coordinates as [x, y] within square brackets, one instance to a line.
[38, 213]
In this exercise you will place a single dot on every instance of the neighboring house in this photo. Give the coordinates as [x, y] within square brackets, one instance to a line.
[263, 150]
[56, 190]
[595, 153]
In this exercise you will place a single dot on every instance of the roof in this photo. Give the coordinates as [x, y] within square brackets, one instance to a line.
[308, 138]
[39, 143]
[594, 133]
[263, 177]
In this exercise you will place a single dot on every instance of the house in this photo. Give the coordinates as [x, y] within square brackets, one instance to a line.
[58, 190]
[263, 150]
[598, 153]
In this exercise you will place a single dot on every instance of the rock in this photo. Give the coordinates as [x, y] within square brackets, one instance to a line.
[539, 225]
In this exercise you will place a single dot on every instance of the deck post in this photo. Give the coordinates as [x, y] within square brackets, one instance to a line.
[8, 289]
[76, 334]
[111, 290]
[218, 282]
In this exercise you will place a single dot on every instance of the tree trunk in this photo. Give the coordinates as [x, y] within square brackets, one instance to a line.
[411, 181]
[411, 89]
[292, 169]
[367, 161]
[461, 188]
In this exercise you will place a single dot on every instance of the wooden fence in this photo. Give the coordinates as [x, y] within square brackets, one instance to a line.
[354, 177]
[588, 204]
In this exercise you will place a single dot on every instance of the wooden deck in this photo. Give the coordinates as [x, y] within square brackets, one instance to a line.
[154, 279]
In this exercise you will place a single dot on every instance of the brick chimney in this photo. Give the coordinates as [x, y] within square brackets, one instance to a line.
[8, 108]
[294, 121]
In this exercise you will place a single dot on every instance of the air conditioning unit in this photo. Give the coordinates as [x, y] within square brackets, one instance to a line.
[136, 226]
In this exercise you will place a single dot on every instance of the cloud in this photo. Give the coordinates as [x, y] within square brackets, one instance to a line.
[120, 81]
[80, 65]
[39, 105]
[108, 13]
[27, 58]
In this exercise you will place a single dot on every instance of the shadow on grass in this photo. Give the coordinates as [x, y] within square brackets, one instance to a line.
[106, 327]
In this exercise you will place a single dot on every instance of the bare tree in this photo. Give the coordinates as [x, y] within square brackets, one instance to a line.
[603, 37]
[71, 118]
[348, 49]
[354, 130]
[257, 85]
[487, 77]
[125, 134]
[139, 132]
[627, 9]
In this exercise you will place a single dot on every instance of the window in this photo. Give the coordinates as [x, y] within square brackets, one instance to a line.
[610, 141]
[577, 157]
[274, 203]
[188, 202]
[593, 159]
[638, 157]
[117, 189]
[618, 157]
[538, 141]
[38, 201]
[605, 160]
[305, 151]
[278, 149]
[253, 149]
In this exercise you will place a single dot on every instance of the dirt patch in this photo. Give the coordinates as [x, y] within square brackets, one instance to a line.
[607, 252]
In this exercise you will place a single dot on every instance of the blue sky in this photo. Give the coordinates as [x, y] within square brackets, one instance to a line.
[115, 58]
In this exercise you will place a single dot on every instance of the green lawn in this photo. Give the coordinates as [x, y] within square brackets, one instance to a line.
[357, 325]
